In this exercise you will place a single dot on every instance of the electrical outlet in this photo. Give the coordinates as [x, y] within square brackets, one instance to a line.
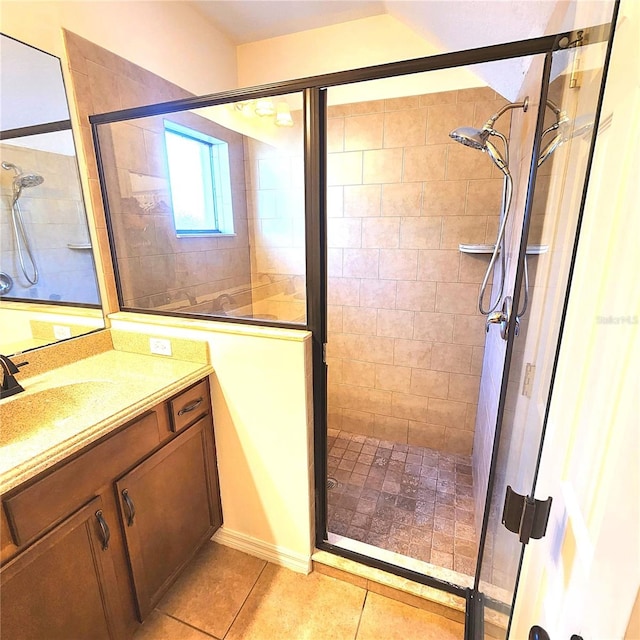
[160, 346]
[60, 332]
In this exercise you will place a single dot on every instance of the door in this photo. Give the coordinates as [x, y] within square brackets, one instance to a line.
[538, 287]
[64, 585]
[170, 506]
[589, 563]
[412, 222]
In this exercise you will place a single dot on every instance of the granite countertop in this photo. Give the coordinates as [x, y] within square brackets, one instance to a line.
[65, 409]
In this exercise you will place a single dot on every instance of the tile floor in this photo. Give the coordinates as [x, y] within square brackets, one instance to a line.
[410, 500]
[228, 595]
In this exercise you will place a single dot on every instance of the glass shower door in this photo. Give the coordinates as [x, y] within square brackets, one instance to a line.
[542, 273]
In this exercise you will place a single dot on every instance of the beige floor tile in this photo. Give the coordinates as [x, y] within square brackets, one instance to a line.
[391, 620]
[213, 588]
[161, 627]
[287, 605]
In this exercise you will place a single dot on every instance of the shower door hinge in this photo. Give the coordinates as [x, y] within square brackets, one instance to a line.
[525, 516]
[527, 384]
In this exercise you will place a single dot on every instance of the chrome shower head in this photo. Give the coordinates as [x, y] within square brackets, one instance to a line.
[470, 137]
[479, 139]
[27, 180]
[23, 180]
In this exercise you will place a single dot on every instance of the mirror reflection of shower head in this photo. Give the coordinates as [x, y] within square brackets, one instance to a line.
[23, 180]
[567, 130]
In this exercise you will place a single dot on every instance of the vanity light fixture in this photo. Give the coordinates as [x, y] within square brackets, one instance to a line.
[264, 107]
[283, 115]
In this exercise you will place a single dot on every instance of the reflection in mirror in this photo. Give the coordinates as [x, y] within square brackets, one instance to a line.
[206, 210]
[45, 251]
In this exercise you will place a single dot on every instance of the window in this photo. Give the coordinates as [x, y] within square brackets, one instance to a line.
[200, 182]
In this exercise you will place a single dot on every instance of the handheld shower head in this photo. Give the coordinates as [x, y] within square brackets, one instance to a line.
[470, 137]
[27, 180]
[22, 180]
[479, 139]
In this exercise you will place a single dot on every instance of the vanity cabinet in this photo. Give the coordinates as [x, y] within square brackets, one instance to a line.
[162, 535]
[96, 541]
[64, 585]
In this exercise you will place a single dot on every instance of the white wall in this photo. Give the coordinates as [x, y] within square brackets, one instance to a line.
[170, 39]
[261, 396]
[583, 577]
[350, 45]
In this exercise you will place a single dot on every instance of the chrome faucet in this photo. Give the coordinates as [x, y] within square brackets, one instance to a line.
[10, 386]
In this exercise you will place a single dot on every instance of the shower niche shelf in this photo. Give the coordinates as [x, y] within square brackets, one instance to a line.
[79, 246]
[487, 249]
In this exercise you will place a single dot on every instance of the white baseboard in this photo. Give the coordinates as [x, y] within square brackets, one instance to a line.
[265, 550]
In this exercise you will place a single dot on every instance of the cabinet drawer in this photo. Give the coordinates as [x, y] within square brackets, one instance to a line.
[52, 498]
[189, 406]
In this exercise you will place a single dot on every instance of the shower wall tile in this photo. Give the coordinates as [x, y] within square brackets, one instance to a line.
[433, 327]
[379, 294]
[454, 358]
[362, 201]
[422, 164]
[392, 378]
[359, 320]
[401, 199]
[429, 383]
[412, 353]
[442, 119]
[445, 197]
[420, 233]
[344, 168]
[456, 297]
[405, 128]
[463, 230]
[363, 132]
[398, 264]
[439, 266]
[416, 296]
[382, 166]
[412, 211]
[360, 263]
[381, 233]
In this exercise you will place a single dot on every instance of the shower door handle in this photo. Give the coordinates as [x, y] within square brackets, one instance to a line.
[502, 318]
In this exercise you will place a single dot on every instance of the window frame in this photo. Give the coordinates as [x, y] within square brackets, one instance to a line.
[217, 175]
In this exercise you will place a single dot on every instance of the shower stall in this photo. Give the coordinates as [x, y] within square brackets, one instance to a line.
[430, 208]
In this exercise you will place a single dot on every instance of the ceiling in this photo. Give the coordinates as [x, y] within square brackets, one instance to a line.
[453, 24]
[447, 25]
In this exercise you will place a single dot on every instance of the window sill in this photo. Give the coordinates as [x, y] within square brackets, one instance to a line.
[206, 235]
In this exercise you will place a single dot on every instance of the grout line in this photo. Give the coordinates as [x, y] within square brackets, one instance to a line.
[186, 624]
[364, 603]
[245, 600]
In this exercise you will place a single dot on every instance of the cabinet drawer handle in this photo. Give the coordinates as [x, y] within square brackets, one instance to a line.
[190, 407]
[130, 507]
[106, 534]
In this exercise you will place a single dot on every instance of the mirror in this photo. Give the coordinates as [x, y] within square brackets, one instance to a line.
[48, 285]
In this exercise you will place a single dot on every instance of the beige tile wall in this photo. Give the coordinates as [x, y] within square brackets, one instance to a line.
[54, 217]
[156, 268]
[405, 338]
[274, 173]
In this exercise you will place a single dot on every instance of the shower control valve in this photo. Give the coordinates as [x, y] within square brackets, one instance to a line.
[502, 318]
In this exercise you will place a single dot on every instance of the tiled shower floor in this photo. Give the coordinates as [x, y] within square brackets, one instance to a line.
[410, 500]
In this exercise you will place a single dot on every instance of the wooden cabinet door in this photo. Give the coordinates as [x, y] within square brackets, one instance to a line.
[170, 506]
[64, 585]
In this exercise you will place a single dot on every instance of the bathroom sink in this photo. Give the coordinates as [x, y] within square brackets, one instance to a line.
[25, 412]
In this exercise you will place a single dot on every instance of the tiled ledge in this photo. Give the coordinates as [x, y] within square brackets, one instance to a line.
[403, 590]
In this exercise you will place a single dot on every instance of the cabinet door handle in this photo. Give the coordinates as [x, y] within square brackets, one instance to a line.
[130, 507]
[106, 534]
[190, 407]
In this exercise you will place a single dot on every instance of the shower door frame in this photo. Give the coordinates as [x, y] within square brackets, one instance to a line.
[315, 182]
[317, 302]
